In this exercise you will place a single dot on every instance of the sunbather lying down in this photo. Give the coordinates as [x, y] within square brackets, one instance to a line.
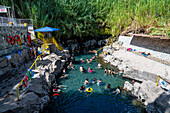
[145, 54]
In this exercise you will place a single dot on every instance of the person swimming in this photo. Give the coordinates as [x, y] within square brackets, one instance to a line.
[94, 80]
[82, 69]
[81, 88]
[99, 65]
[108, 87]
[88, 61]
[82, 60]
[86, 82]
[109, 71]
[99, 82]
[70, 66]
[64, 76]
[117, 90]
[112, 72]
[91, 70]
[64, 71]
[105, 71]
[89, 90]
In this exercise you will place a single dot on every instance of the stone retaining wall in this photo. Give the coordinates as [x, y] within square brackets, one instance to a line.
[5, 31]
[151, 43]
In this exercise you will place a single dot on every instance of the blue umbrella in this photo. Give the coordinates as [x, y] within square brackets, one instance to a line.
[46, 29]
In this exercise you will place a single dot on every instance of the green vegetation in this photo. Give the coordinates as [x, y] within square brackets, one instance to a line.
[83, 18]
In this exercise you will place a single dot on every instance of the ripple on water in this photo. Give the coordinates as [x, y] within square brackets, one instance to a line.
[71, 100]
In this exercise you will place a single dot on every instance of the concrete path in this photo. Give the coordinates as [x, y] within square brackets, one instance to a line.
[142, 63]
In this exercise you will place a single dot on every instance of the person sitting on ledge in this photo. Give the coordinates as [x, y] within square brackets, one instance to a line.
[145, 54]
[120, 72]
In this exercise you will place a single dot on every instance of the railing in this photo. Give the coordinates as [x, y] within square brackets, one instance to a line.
[105, 45]
[105, 52]
[162, 79]
[56, 44]
[35, 63]
[4, 21]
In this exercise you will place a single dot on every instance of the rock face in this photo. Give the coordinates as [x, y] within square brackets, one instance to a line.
[35, 97]
[128, 86]
[154, 97]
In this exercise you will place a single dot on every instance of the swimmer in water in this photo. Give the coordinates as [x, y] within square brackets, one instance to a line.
[64, 71]
[81, 88]
[99, 65]
[105, 71]
[108, 87]
[89, 90]
[99, 82]
[94, 80]
[82, 60]
[86, 82]
[117, 90]
[64, 76]
[109, 71]
[88, 61]
[112, 72]
[81, 69]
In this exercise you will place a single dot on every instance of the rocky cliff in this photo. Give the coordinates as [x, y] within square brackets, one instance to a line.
[35, 96]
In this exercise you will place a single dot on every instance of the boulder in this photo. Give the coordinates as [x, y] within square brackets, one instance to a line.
[128, 86]
[154, 97]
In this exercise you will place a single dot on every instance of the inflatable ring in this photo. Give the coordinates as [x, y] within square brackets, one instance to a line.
[19, 39]
[56, 94]
[87, 90]
[12, 41]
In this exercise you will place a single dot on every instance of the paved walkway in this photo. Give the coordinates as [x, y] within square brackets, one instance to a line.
[143, 64]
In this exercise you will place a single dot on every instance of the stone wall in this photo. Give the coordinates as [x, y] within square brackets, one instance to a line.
[159, 45]
[5, 31]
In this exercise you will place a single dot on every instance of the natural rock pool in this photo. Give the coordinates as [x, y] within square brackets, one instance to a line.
[72, 101]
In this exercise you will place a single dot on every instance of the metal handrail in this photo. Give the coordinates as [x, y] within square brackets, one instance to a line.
[105, 45]
[162, 79]
[5, 21]
[35, 62]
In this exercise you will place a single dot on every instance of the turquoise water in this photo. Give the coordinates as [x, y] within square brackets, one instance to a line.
[101, 101]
